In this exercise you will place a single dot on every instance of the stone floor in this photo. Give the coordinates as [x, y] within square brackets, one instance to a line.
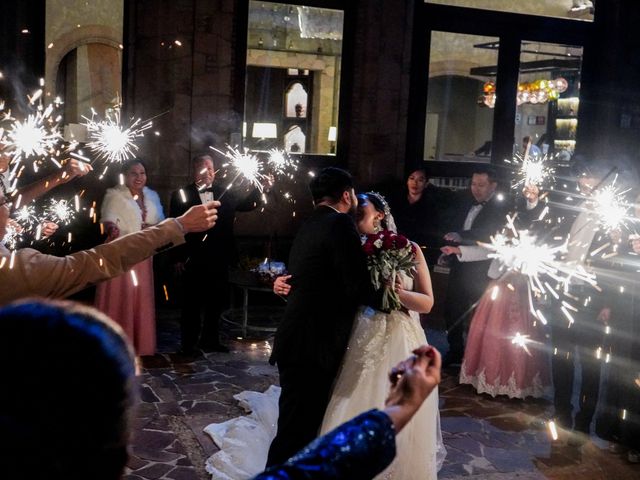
[486, 438]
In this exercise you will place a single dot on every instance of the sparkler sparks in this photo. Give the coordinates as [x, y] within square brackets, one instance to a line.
[532, 170]
[282, 164]
[611, 208]
[523, 253]
[60, 211]
[110, 140]
[37, 135]
[522, 341]
[12, 237]
[26, 216]
[245, 165]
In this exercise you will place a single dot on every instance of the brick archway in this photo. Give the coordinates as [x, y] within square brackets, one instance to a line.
[69, 41]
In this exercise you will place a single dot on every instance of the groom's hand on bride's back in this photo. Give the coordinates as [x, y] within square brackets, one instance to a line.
[280, 285]
[412, 380]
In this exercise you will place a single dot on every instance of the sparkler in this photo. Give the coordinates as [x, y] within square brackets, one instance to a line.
[532, 170]
[37, 135]
[245, 165]
[12, 236]
[282, 164]
[522, 341]
[524, 254]
[611, 208]
[26, 216]
[60, 211]
[110, 140]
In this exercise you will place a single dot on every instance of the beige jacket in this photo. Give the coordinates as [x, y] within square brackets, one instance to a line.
[35, 274]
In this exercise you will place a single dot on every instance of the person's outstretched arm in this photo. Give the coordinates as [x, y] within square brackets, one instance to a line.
[31, 273]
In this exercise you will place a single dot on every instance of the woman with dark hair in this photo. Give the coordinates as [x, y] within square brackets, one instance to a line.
[129, 299]
[418, 210]
[69, 418]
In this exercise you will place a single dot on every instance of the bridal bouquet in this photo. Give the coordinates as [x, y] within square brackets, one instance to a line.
[388, 254]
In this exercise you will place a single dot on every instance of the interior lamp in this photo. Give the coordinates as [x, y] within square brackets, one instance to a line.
[332, 137]
[264, 130]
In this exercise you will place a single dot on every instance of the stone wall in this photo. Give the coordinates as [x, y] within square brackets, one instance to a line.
[380, 92]
[72, 23]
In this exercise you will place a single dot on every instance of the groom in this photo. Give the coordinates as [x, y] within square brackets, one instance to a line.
[329, 280]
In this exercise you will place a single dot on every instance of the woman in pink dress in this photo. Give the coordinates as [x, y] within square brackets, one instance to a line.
[129, 299]
[505, 352]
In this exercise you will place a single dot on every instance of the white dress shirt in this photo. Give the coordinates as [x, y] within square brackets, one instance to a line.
[205, 196]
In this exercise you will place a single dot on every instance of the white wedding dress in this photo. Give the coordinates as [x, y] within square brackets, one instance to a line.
[378, 342]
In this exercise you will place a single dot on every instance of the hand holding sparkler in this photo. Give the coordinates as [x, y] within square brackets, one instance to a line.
[75, 168]
[449, 250]
[112, 230]
[199, 218]
[47, 229]
[531, 192]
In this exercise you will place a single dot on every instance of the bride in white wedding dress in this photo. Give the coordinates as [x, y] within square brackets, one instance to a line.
[377, 342]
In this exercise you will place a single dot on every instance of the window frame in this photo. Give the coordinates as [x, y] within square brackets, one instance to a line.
[511, 29]
[340, 157]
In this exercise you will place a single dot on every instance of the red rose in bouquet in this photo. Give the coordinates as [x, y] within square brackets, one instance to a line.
[388, 254]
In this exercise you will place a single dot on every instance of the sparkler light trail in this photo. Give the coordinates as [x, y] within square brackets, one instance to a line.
[523, 253]
[110, 140]
[245, 165]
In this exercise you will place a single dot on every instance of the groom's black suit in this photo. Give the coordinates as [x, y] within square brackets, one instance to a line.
[329, 281]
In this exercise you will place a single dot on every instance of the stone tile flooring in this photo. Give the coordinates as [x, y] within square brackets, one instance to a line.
[486, 438]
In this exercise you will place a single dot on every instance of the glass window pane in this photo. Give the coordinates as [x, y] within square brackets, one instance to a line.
[572, 9]
[459, 121]
[293, 77]
[548, 99]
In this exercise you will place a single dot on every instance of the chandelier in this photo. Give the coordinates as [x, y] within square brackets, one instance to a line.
[538, 91]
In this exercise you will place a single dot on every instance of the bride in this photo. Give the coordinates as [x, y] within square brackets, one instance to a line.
[377, 341]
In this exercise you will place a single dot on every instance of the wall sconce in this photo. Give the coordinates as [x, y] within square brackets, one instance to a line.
[332, 137]
[264, 130]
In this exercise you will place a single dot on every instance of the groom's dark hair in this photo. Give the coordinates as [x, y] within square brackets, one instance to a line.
[66, 407]
[330, 184]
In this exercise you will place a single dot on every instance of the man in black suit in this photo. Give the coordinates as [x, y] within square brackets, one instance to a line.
[203, 262]
[329, 280]
[479, 213]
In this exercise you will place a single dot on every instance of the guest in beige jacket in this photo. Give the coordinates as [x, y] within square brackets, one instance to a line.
[28, 272]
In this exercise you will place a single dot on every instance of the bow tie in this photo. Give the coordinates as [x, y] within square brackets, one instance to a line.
[209, 189]
[475, 203]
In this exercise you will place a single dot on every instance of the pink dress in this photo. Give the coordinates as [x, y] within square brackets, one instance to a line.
[131, 306]
[493, 363]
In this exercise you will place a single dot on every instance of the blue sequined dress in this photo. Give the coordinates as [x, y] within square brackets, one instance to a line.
[357, 450]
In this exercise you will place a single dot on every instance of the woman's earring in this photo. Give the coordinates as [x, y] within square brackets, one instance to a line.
[376, 226]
